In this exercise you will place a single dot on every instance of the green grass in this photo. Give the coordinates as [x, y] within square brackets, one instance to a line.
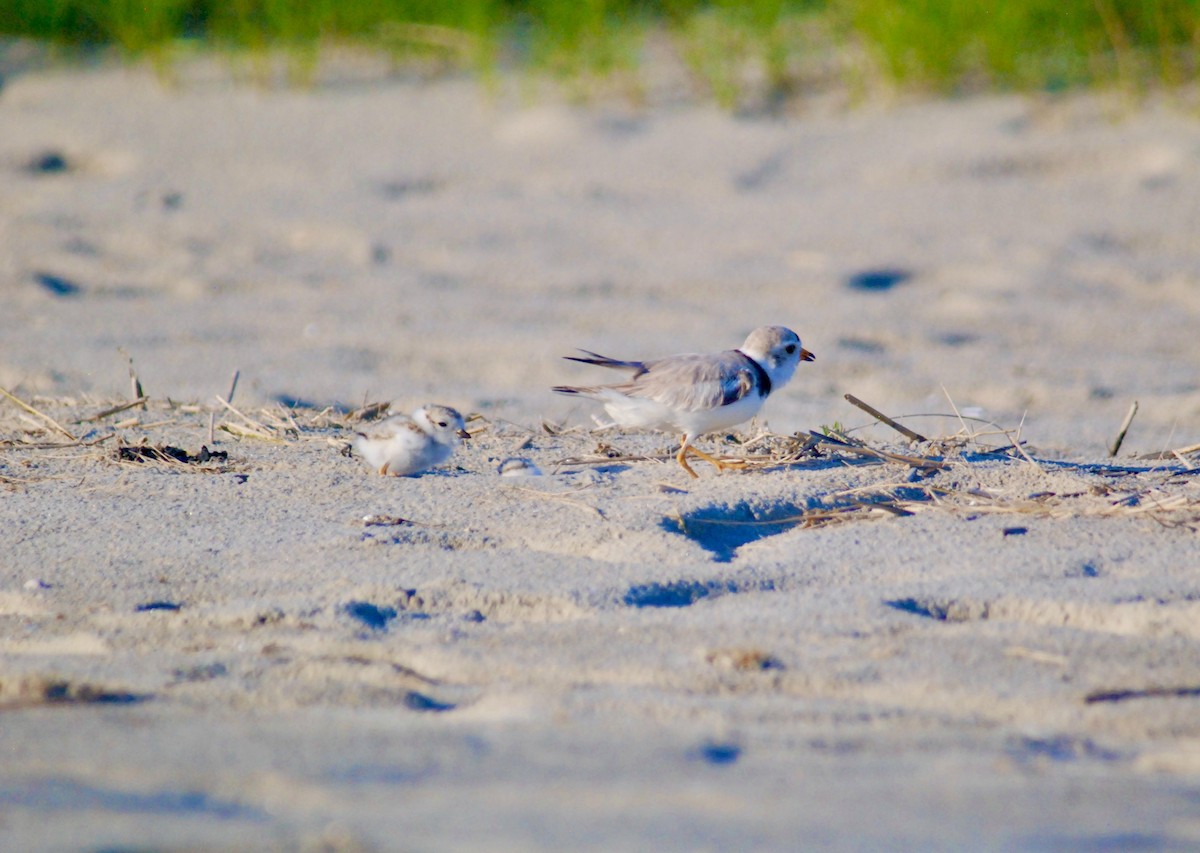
[734, 50]
[1031, 44]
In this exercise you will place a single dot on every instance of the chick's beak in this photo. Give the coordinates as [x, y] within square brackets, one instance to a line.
[462, 433]
[805, 355]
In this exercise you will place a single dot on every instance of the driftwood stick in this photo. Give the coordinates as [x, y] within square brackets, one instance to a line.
[1116, 445]
[880, 416]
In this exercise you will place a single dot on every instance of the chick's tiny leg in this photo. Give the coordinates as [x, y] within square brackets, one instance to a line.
[383, 469]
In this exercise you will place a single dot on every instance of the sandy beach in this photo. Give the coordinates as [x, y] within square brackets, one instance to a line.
[988, 640]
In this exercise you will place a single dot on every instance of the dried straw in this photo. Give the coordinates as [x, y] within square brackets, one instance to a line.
[44, 417]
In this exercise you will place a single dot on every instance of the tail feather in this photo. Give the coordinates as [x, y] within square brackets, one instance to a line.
[604, 361]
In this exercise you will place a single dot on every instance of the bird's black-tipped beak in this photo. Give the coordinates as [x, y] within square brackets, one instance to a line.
[805, 355]
[462, 433]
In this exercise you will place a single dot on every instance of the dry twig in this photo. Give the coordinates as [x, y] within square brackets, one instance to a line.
[252, 428]
[44, 417]
[99, 416]
[880, 416]
[1116, 445]
[860, 449]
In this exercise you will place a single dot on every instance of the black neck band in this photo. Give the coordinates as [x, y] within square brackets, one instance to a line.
[764, 380]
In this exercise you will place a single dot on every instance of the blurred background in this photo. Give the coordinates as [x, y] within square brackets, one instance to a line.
[350, 201]
[756, 51]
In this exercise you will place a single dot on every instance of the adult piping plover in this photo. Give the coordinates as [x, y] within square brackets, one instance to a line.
[404, 444]
[694, 394]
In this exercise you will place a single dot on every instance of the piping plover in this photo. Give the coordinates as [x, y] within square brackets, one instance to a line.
[404, 444]
[694, 394]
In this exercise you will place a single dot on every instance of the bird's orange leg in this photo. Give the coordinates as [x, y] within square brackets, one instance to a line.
[721, 464]
[681, 456]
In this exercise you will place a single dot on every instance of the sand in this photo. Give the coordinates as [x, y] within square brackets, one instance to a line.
[278, 649]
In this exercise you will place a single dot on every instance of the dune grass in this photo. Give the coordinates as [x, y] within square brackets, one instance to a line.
[731, 48]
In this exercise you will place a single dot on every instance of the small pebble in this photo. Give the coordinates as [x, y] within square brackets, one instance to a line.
[384, 521]
[35, 584]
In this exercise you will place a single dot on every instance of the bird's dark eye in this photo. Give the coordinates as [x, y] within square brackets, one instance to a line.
[441, 423]
[790, 348]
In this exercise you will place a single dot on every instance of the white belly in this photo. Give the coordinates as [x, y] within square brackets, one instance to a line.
[650, 414]
[404, 453]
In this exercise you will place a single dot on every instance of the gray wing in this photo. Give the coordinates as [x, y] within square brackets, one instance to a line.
[391, 427]
[693, 382]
